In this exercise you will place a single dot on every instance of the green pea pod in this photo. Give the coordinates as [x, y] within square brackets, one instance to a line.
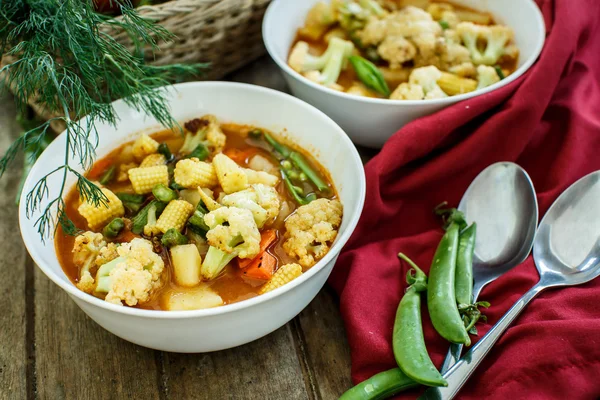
[441, 297]
[380, 386]
[463, 286]
[408, 340]
[370, 75]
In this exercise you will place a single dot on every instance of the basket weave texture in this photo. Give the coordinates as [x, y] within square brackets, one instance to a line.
[224, 33]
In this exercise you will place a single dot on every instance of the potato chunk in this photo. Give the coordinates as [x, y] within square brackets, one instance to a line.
[194, 299]
[186, 262]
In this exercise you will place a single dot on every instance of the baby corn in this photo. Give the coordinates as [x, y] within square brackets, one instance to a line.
[101, 215]
[284, 274]
[175, 215]
[144, 179]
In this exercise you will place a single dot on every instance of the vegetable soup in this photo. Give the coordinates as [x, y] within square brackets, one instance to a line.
[220, 214]
[402, 50]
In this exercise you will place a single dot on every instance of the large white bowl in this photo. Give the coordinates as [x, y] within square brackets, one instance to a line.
[370, 122]
[234, 324]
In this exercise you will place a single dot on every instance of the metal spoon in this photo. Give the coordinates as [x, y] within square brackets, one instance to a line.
[566, 252]
[502, 201]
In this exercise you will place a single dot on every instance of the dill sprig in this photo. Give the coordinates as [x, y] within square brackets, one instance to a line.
[73, 68]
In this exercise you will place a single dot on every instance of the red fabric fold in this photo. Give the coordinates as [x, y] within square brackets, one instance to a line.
[548, 122]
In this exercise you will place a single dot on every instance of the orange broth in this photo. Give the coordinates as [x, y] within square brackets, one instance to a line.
[231, 285]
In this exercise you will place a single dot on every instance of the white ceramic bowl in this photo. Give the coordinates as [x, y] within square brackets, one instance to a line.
[370, 122]
[234, 324]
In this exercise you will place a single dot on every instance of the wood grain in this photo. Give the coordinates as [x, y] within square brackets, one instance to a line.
[77, 359]
[13, 346]
[264, 369]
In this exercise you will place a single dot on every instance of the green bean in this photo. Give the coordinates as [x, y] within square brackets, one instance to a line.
[163, 193]
[441, 298]
[408, 340]
[196, 222]
[444, 24]
[312, 175]
[370, 75]
[141, 219]
[278, 147]
[133, 202]
[463, 285]
[108, 175]
[292, 190]
[165, 151]
[380, 386]
[173, 237]
[499, 72]
[200, 152]
[113, 228]
[298, 161]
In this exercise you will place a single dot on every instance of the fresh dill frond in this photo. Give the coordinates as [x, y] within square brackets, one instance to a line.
[69, 64]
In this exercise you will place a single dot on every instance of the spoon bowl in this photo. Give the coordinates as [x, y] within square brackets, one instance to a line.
[502, 201]
[566, 253]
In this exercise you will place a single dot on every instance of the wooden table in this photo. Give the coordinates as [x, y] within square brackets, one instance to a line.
[49, 349]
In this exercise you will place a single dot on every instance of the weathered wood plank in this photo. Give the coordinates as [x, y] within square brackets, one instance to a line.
[13, 347]
[265, 369]
[77, 359]
[324, 339]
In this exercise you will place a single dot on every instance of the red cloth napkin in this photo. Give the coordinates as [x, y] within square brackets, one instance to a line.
[548, 122]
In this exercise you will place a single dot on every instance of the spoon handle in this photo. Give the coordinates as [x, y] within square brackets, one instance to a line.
[455, 350]
[463, 369]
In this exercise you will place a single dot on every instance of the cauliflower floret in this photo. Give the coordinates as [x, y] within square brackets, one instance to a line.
[311, 230]
[324, 69]
[123, 175]
[203, 131]
[132, 276]
[496, 38]
[240, 235]
[352, 15]
[444, 12]
[408, 91]
[129, 283]
[427, 78]
[107, 254]
[317, 77]
[86, 248]
[465, 70]
[410, 25]
[486, 76]
[396, 50]
[263, 201]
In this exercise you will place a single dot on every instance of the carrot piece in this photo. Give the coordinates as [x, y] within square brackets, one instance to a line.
[240, 156]
[99, 167]
[262, 267]
[266, 238]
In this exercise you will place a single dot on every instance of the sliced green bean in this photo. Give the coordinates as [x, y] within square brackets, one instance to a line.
[201, 152]
[441, 297]
[283, 150]
[408, 339]
[292, 189]
[165, 151]
[312, 175]
[370, 75]
[463, 286]
[108, 175]
[133, 202]
[173, 237]
[113, 228]
[380, 386]
[163, 193]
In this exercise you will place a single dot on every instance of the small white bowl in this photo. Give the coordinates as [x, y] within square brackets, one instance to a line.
[238, 323]
[370, 122]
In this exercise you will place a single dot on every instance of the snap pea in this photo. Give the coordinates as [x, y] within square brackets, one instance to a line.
[463, 285]
[380, 386]
[370, 75]
[441, 297]
[408, 340]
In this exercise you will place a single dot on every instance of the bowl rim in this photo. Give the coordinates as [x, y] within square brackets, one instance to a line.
[541, 28]
[31, 239]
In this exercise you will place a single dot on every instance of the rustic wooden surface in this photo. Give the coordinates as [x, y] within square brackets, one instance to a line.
[49, 349]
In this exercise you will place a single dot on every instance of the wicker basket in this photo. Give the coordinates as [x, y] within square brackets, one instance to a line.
[224, 33]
